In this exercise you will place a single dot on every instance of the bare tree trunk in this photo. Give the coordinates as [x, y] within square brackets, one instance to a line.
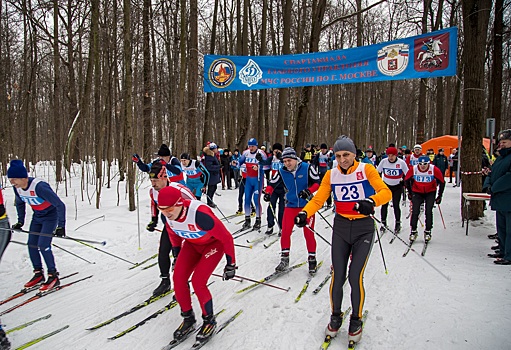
[495, 109]
[282, 120]
[208, 110]
[56, 94]
[148, 87]
[193, 74]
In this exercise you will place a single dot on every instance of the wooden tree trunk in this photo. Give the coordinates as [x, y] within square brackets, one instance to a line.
[56, 94]
[147, 126]
[193, 74]
[495, 110]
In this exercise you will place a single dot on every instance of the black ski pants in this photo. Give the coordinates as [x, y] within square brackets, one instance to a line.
[277, 195]
[417, 200]
[164, 253]
[355, 238]
[397, 191]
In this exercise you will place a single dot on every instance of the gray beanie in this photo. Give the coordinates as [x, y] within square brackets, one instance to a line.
[344, 143]
[289, 152]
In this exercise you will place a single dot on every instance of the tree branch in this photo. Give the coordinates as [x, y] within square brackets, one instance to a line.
[351, 15]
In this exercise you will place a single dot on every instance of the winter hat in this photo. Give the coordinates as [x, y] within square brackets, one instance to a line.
[323, 146]
[289, 152]
[307, 145]
[17, 170]
[424, 159]
[252, 142]
[344, 143]
[212, 146]
[391, 150]
[170, 196]
[440, 150]
[185, 156]
[157, 170]
[369, 150]
[277, 146]
[164, 151]
[417, 147]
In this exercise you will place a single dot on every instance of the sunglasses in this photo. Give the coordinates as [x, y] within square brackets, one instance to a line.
[423, 163]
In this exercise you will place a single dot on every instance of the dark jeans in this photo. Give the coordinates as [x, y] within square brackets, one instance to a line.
[504, 233]
[211, 193]
[417, 200]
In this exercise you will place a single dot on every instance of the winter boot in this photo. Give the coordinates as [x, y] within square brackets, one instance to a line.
[257, 225]
[397, 228]
[37, 279]
[164, 286]
[427, 236]
[312, 264]
[413, 235]
[4, 342]
[334, 325]
[284, 263]
[51, 283]
[355, 330]
[207, 329]
[247, 224]
[240, 211]
[186, 327]
[269, 231]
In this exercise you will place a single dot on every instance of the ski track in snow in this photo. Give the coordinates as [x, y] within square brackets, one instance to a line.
[413, 307]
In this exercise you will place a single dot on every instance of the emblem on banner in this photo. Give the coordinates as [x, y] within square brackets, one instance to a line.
[393, 59]
[222, 72]
[431, 53]
[250, 74]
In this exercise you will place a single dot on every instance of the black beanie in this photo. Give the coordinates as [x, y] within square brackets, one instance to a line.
[185, 156]
[323, 146]
[164, 151]
[158, 170]
[277, 146]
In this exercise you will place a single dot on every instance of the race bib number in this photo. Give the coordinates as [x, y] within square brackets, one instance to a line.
[348, 193]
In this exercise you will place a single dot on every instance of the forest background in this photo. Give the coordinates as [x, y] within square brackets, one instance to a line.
[98, 80]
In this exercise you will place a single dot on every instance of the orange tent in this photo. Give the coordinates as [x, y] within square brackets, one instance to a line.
[447, 142]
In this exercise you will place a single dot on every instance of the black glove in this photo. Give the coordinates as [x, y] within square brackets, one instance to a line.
[409, 195]
[259, 157]
[365, 206]
[279, 155]
[301, 219]
[60, 232]
[136, 158]
[17, 226]
[305, 194]
[229, 271]
[266, 197]
[152, 225]
[438, 199]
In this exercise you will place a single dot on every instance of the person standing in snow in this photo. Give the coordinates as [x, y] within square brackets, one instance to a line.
[201, 239]
[48, 219]
[172, 164]
[357, 188]
[197, 176]
[213, 166]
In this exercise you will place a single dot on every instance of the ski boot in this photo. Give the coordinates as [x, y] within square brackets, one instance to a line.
[51, 283]
[355, 330]
[207, 329]
[269, 231]
[247, 224]
[252, 211]
[284, 263]
[313, 264]
[382, 228]
[397, 227]
[335, 324]
[37, 279]
[257, 224]
[186, 327]
[427, 236]
[240, 211]
[164, 286]
[4, 342]
[413, 235]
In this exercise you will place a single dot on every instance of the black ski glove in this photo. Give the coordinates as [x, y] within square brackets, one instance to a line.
[136, 158]
[301, 219]
[305, 194]
[266, 197]
[17, 226]
[365, 206]
[438, 199]
[60, 232]
[229, 271]
[152, 225]
[259, 157]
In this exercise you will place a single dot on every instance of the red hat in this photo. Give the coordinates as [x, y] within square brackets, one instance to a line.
[391, 150]
[170, 196]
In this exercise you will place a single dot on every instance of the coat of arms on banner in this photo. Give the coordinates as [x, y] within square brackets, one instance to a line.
[250, 74]
[222, 72]
[431, 53]
[393, 59]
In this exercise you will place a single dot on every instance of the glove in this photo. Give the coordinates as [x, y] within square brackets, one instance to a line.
[365, 206]
[203, 190]
[279, 155]
[301, 219]
[202, 177]
[266, 197]
[17, 226]
[60, 232]
[409, 195]
[259, 157]
[488, 190]
[152, 225]
[136, 158]
[305, 194]
[438, 200]
[229, 271]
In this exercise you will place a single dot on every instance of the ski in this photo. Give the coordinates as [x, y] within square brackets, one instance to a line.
[24, 325]
[351, 344]
[229, 321]
[27, 290]
[260, 239]
[424, 248]
[130, 311]
[266, 246]
[42, 294]
[380, 236]
[328, 338]
[41, 338]
[307, 282]
[325, 280]
[200, 343]
[271, 277]
[149, 266]
[143, 261]
[408, 249]
[248, 230]
[232, 216]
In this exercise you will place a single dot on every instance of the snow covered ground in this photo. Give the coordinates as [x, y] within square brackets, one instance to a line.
[411, 307]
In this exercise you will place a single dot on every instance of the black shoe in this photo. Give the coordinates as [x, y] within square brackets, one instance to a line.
[38, 278]
[164, 286]
[257, 224]
[284, 263]
[269, 231]
[247, 224]
[240, 211]
[495, 255]
[355, 330]
[427, 236]
[207, 329]
[413, 235]
[51, 283]
[212, 205]
[494, 236]
[186, 327]
[313, 264]
[4, 342]
[502, 262]
[397, 228]
[334, 325]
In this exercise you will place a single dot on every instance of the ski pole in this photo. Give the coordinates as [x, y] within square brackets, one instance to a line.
[51, 235]
[318, 212]
[316, 232]
[381, 250]
[218, 208]
[440, 210]
[102, 251]
[232, 279]
[413, 250]
[263, 283]
[88, 222]
[275, 218]
[53, 244]
[243, 246]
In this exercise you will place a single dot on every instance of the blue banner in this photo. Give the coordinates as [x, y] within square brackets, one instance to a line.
[424, 56]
